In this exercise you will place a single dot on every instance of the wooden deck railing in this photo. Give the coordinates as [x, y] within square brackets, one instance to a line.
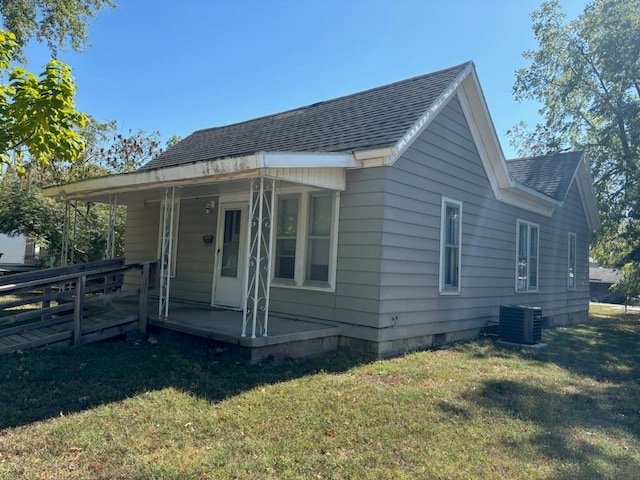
[78, 291]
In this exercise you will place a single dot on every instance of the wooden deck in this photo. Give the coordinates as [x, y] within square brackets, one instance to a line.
[82, 311]
[96, 328]
[85, 304]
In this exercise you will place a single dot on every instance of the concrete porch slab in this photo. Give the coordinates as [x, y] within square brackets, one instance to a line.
[286, 337]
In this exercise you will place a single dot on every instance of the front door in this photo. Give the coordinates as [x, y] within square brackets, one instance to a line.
[230, 255]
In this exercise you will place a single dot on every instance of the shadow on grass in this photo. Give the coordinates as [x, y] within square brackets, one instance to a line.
[43, 384]
[607, 349]
[567, 422]
[605, 353]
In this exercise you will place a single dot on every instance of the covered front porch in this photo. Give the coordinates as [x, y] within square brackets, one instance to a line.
[227, 236]
[287, 338]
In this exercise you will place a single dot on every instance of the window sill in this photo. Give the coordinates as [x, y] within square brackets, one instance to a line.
[312, 286]
[449, 291]
[527, 291]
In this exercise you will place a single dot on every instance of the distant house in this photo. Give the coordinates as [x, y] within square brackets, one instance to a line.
[391, 214]
[12, 249]
[600, 282]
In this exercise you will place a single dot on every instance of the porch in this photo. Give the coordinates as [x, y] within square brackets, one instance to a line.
[288, 337]
[228, 234]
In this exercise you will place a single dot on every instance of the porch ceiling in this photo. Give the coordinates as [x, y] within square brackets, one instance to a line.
[322, 170]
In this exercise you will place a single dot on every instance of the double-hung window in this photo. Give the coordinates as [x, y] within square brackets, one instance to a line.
[286, 238]
[527, 257]
[571, 264]
[319, 238]
[450, 243]
[306, 228]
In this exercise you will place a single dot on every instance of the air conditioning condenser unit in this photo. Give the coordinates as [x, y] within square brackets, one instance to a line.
[520, 324]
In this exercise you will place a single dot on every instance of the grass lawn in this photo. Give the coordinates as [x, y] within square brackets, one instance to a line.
[125, 411]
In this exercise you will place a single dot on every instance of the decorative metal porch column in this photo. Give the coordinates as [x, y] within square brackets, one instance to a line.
[258, 264]
[166, 250]
[111, 229]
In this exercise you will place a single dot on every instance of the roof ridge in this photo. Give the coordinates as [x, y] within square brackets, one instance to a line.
[332, 100]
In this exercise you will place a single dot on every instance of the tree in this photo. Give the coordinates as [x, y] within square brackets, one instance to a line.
[38, 119]
[586, 77]
[40, 129]
[24, 211]
[57, 22]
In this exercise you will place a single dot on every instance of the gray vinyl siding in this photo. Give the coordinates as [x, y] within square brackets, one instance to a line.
[356, 301]
[443, 161]
[195, 260]
[141, 239]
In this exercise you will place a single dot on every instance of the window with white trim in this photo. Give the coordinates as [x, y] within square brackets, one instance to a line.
[527, 257]
[286, 237]
[450, 242]
[305, 244]
[571, 263]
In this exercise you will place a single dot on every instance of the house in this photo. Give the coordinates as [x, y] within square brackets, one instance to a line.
[18, 254]
[390, 214]
[600, 282]
[12, 249]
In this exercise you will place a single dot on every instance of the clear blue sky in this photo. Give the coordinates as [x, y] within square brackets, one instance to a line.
[179, 66]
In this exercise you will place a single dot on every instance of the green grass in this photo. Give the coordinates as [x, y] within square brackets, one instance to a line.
[12, 310]
[125, 411]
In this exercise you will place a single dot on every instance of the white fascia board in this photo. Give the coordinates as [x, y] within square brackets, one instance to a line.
[474, 107]
[333, 178]
[425, 119]
[483, 131]
[307, 160]
[186, 174]
[587, 193]
[235, 168]
[376, 157]
[518, 196]
[537, 196]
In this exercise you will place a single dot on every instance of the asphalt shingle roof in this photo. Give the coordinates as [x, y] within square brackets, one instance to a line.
[547, 174]
[371, 119]
[604, 275]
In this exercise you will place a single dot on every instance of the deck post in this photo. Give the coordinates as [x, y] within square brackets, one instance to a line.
[143, 315]
[78, 308]
[45, 303]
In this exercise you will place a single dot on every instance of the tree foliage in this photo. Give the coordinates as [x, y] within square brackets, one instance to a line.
[38, 118]
[24, 211]
[59, 23]
[586, 77]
